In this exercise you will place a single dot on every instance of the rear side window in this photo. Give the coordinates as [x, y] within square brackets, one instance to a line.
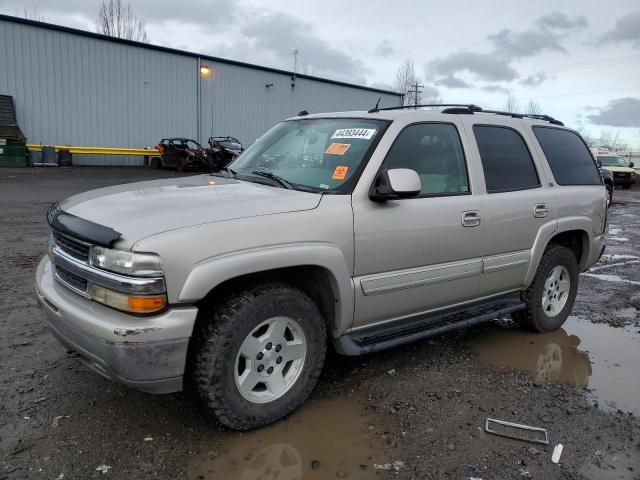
[568, 156]
[506, 160]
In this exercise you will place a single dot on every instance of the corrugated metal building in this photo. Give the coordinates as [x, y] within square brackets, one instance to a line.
[80, 88]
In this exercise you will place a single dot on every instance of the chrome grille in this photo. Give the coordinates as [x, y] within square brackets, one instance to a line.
[73, 247]
[73, 281]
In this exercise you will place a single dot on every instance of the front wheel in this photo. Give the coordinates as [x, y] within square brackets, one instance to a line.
[257, 356]
[550, 297]
[609, 195]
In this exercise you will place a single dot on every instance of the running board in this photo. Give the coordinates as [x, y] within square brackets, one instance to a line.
[392, 334]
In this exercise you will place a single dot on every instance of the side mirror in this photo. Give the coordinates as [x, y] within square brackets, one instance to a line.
[631, 164]
[394, 184]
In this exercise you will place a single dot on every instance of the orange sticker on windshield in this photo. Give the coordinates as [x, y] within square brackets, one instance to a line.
[340, 172]
[337, 148]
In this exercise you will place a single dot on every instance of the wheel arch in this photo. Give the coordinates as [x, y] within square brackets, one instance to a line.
[319, 270]
[572, 233]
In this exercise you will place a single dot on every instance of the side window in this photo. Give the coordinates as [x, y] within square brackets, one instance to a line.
[568, 156]
[435, 152]
[506, 160]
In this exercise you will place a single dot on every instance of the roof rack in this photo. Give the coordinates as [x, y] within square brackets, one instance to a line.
[402, 107]
[460, 108]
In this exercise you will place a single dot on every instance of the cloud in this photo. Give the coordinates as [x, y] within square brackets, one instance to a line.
[484, 65]
[279, 33]
[513, 45]
[385, 48]
[452, 82]
[561, 21]
[534, 79]
[496, 89]
[544, 35]
[627, 29]
[621, 112]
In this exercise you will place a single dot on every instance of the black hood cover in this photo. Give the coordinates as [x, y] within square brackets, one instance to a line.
[80, 228]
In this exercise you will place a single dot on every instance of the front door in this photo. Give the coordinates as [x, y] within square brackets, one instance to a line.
[424, 253]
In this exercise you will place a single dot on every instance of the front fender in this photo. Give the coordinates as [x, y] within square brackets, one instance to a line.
[213, 271]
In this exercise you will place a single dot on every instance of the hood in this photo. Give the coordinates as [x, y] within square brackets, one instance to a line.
[138, 210]
[619, 169]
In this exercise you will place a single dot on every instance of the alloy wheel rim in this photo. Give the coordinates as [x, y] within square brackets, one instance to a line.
[270, 359]
[556, 291]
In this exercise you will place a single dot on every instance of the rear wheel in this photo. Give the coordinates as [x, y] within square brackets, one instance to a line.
[550, 297]
[626, 187]
[257, 356]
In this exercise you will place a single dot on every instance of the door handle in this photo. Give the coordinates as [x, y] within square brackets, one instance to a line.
[471, 218]
[540, 210]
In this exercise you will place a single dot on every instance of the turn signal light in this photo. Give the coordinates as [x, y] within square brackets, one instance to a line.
[128, 303]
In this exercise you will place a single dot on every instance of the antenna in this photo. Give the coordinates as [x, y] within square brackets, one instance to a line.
[376, 109]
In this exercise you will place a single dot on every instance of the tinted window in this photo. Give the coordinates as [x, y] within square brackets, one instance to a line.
[506, 160]
[435, 152]
[568, 156]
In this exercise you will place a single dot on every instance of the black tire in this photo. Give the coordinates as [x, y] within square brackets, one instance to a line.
[534, 317]
[180, 165]
[609, 195]
[220, 331]
[155, 163]
[626, 187]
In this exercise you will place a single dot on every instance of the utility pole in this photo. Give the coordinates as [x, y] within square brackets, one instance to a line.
[416, 90]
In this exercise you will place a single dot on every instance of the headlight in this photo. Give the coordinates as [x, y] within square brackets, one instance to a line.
[126, 263]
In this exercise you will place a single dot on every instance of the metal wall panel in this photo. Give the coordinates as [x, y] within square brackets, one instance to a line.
[74, 89]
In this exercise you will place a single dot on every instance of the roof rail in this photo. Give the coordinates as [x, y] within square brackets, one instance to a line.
[471, 107]
[461, 108]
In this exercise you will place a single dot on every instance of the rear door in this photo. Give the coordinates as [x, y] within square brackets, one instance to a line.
[419, 254]
[515, 204]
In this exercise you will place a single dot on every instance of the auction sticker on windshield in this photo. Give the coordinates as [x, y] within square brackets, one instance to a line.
[364, 133]
[337, 148]
[340, 172]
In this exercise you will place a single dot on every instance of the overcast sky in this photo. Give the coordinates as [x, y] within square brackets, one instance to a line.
[580, 60]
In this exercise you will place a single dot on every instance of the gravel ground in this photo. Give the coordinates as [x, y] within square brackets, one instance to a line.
[412, 412]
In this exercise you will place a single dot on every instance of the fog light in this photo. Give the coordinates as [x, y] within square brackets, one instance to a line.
[128, 303]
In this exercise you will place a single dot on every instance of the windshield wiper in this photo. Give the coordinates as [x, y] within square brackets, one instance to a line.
[274, 177]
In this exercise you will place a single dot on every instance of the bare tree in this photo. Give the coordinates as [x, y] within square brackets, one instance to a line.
[33, 15]
[585, 134]
[405, 79]
[605, 138]
[511, 104]
[615, 140]
[533, 108]
[117, 19]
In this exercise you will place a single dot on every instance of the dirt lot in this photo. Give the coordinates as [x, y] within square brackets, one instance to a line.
[413, 412]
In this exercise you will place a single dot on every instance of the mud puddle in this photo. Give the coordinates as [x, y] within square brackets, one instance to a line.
[605, 359]
[327, 438]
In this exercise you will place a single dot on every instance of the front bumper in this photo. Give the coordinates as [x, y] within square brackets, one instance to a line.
[623, 181]
[147, 353]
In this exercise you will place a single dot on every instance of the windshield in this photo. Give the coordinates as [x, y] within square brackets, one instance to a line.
[313, 154]
[613, 161]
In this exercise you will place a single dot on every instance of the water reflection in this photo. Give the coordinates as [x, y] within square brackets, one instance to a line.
[581, 353]
[326, 438]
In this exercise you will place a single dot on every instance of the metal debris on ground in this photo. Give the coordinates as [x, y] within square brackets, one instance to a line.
[517, 431]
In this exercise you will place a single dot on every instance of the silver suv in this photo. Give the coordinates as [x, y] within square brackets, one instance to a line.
[360, 230]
